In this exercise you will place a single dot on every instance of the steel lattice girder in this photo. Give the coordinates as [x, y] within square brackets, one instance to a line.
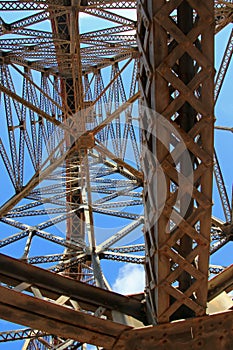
[180, 93]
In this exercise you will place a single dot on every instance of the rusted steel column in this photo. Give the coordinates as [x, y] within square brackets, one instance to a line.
[70, 70]
[175, 40]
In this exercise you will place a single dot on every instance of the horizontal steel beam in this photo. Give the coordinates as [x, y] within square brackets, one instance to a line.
[208, 332]
[14, 272]
[222, 282]
[56, 319]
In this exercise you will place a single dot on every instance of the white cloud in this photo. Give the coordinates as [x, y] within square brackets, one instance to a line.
[130, 279]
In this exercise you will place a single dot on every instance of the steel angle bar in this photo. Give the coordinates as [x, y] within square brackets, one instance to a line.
[119, 235]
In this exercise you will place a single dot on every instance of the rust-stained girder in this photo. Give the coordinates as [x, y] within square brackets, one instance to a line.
[176, 82]
[222, 282]
[52, 286]
[208, 332]
[67, 323]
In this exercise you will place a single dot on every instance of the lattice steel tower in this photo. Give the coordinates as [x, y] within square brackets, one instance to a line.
[107, 157]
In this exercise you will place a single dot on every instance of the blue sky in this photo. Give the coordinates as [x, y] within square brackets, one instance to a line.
[223, 140]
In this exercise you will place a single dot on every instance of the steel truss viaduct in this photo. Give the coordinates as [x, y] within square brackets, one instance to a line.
[107, 157]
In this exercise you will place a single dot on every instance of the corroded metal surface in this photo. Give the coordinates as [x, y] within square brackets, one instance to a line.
[176, 80]
[208, 332]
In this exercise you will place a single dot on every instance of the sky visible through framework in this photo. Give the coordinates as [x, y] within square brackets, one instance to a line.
[130, 278]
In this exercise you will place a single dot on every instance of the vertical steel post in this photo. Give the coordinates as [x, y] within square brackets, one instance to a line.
[72, 98]
[175, 40]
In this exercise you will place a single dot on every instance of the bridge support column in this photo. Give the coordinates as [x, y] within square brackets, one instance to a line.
[176, 40]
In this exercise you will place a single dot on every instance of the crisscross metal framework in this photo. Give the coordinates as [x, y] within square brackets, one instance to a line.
[107, 131]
